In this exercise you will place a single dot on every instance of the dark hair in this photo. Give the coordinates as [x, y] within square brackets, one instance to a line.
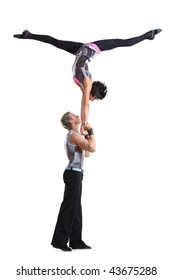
[99, 90]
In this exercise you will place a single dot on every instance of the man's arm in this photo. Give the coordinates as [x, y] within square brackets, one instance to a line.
[87, 154]
[89, 144]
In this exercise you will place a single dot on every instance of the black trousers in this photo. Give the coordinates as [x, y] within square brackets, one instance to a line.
[69, 223]
[104, 45]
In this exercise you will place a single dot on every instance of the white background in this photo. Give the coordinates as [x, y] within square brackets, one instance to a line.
[127, 198]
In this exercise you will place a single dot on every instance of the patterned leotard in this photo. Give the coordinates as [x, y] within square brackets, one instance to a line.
[80, 67]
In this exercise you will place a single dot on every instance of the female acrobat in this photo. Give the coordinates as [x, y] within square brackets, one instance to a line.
[84, 52]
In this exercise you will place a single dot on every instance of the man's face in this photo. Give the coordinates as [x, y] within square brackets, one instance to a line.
[75, 118]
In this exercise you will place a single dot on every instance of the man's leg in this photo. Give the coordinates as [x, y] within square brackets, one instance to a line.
[109, 44]
[76, 231]
[76, 241]
[72, 180]
[68, 46]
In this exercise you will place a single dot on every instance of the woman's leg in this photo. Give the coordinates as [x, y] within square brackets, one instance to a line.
[68, 46]
[110, 44]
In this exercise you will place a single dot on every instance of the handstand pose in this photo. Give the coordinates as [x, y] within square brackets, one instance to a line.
[83, 54]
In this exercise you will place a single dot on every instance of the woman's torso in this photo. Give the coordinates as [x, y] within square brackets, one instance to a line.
[80, 67]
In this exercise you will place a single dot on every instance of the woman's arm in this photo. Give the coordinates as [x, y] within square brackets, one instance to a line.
[87, 86]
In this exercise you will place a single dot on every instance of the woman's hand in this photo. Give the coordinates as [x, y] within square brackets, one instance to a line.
[82, 129]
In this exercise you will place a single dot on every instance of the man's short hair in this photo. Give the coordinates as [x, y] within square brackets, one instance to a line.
[65, 120]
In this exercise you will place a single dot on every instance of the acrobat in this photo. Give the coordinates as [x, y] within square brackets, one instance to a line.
[84, 53]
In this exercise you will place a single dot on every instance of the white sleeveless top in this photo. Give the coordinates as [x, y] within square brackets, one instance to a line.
[74, 153]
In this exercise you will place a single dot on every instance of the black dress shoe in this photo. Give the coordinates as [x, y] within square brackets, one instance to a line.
[154, 32]
[22, 36]
[81, 245]
[63, 248]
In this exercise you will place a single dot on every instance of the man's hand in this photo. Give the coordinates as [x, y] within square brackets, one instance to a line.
[84, 133]
[87, 126]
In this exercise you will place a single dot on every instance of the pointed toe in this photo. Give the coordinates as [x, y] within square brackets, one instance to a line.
[154, 32]
[22, 36]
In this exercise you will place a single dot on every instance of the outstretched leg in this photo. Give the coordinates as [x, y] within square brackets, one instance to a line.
[110, 44]
[68, 46]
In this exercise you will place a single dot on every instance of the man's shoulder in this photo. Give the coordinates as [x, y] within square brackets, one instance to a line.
[73, 134]
[75, 137]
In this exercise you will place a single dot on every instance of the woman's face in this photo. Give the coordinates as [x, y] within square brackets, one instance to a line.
[92, 98]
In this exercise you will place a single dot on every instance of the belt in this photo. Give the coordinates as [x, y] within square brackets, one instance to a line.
[75, 169]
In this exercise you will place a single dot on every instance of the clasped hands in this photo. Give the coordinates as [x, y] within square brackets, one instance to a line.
[85, 126]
